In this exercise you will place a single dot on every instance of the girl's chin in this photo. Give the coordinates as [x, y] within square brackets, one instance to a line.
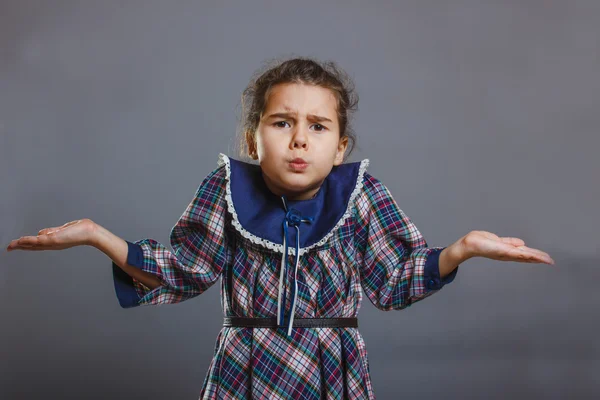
[298, 189]
[297, 185]
[292, 185]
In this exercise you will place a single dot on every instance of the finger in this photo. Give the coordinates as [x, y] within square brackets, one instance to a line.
[77, 221]
[48, 230]
[506, 252]
[539, 253]
[13, 243]
[46, 240]
[42, 239]
[36, 241]
[28, 240]
[57, 228]
[30, 248]
[488, 235]
[522, 253]
[21, 247]
[17, 243]
[525, 255]
[513, 240]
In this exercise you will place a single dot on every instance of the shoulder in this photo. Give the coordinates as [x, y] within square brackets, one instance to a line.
[376, 205]
[373, 190]
[217, 175]
[370, 183]
[215, 181]
[211, 193]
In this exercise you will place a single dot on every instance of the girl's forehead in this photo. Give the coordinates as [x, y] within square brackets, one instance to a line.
[300, 98]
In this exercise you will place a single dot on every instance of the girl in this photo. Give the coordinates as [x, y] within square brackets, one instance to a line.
[295, 239]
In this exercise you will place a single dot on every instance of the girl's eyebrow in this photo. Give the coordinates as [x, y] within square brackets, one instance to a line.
[312, 117]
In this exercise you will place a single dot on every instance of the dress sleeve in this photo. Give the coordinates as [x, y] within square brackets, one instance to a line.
[397, 268]
[200, 252]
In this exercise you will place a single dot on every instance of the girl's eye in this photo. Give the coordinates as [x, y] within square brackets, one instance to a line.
[282, 124]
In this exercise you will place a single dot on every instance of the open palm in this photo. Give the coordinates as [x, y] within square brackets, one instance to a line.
[74, 233]
[489, 245]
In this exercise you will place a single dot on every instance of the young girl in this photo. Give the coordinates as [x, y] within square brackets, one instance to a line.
[294, 239]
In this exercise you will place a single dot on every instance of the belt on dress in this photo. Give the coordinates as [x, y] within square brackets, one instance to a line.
[249, 322]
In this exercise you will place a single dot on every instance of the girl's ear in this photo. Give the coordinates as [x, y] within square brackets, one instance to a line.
[251, 143]
[341, 150]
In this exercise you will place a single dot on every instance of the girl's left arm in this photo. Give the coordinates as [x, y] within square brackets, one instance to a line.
[398, 268]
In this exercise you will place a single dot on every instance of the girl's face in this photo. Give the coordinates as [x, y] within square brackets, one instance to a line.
[297, 140]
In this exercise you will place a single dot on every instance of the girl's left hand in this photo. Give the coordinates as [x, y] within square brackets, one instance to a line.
[486, 244]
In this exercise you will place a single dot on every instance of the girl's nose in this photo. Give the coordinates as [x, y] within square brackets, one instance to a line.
[299, 140]
[299, 144]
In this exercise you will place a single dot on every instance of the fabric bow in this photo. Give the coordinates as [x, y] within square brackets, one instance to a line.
[293, 218]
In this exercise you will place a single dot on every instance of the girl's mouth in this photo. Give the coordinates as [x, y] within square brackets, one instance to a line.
[298, 164]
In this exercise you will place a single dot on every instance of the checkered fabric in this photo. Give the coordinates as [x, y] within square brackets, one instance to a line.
[378, 251]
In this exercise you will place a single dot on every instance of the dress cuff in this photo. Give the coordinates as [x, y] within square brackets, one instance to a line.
[124, 287]
[135, 254]
[431, 273]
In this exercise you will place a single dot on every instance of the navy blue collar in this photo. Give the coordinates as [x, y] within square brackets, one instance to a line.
[261, 213]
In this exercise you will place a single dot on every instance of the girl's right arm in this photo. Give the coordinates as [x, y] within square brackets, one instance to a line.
[146, 272]
[85, 232]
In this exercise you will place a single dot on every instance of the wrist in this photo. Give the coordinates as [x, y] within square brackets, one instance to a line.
[450, 258]
[459, 251]
[98, 236]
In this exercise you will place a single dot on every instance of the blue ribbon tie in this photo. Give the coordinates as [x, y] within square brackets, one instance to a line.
[293, 218]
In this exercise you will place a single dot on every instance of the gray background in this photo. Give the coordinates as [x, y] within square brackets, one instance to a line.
[476, 115]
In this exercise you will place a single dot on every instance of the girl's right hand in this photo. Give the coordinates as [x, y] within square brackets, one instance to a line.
[75, 233]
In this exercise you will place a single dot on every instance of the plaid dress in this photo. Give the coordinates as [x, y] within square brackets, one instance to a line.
[359, 241]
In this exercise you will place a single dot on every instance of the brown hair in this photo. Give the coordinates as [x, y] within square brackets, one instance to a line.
[298, 70]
